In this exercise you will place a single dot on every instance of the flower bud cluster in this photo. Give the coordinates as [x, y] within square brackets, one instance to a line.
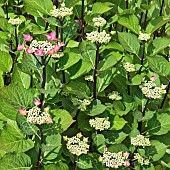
[129, 67]
[141, 160]
[114, 96]
[99, 123]
[82, 104]
[140, 140]
[100, 37]
[144, 36]
[99, 21]
[62, 11]
[115, 160]
[15, 21]
[150, 90]
[89, 78]
[77, 145]
[36, 116]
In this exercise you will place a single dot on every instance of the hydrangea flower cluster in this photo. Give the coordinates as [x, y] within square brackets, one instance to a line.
[129, 67]
[144, 36]
[35, 115]
[77, 145]
[150, 90]
[15, 21]
[99, 123]
[99, 21]
[82, 104]
[114, 96]
[62, 11]
[41, 48]
[100, 37]
[89, 78]
[115, 160]
[140, 140]
[141, 160]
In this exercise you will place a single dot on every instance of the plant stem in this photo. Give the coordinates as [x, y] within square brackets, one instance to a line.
[16, 37]
[142, 59]
[163, 101]
[82, 20]
[61, 39]
[127, 4]
[42, 95]
[162, 5]
[6, 8]
[37, 59]
[75, 163]
[128, 77]
[95, 95]
[38, 163]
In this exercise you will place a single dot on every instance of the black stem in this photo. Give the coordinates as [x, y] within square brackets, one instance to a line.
[75, 163]
[6, 8]
[38, 163]
[141, 17]
[128, 77]
[143, 57]
[127, 4]
[37, 59]
[82, 20]
[95, 95]
[16, 37]
[146, 15]
[162, 5]
[46, 26]
[48, 60]
[62, 48]
[143, 114]
[163, 101]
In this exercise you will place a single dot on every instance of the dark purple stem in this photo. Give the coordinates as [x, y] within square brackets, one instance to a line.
[6, 8]
[82, 20]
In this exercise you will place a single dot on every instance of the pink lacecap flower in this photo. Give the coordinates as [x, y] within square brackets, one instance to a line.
[39, 52]
[37, 102]
[51, 51]
[51, 36]
[28, 51]
[27, 37]
[22, 112]
[20, 47]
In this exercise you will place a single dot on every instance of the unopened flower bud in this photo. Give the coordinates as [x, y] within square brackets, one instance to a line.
[22, 112]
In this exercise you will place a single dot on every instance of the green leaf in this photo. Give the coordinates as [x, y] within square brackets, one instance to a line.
[1, 79]
[98, 139]
[15, 161]
[131, 22]
[57, 166]
[68, 60]
[77, 88]
[52, 147]
[36, 7]
[159, 65]
[83, 122]
[158, 44]
[156, 150]
[62, 119]
[79, 69]
[159, 124]
[6, 62]
[20, 78]
[100, 8]
[97, 108]
[72, 44]
[14, 98]
[157, 23]
[118, 123]
[114, 45]
[117, 148]
[129, 42]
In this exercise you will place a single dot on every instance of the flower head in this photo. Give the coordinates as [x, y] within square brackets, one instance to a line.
[140, 140]
[28, 51]
[27, 37]
[141, 160]
[99, 21]
[22, 111]
[37, 102]
[129, 67]
[144, 36]
[15, 21]
[51, 36]
[39, 52]
[20, 47]
[114, 96]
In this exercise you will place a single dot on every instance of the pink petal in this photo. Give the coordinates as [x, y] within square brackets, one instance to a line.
[56, 48]
[51, 51]
[37, 102]
[28, 51]
[51, 36]
[39, 52]
[61, 44]
[20, 47]
[27, 37]
[22, 112]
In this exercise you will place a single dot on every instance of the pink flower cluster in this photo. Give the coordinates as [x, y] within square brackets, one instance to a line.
[41, 48]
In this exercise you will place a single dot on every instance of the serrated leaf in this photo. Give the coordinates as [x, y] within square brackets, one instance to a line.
[36, 7]
[15, 161]
[100, 8]
[159, 65]
[129, 42]
[131, 22]
[62, 119]
[118, 123]
[6, 61]
[97, 108]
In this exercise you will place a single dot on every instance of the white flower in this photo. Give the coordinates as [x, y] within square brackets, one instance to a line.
[100, 37]
[114, 96]
[140, 140]
[99, 21]
[129, 67]
[15, 21]
[141, 160]
[144, 36]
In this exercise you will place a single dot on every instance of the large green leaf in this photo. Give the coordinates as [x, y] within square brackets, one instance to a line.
[57, 166]
[131, 22]
[158, 44]
[12, 139]
[98, 139]
[159, 65]
[62, 119]
[100, 8]
[118, 123]
[35, 7]
[15, 161]
[1, 79]
[5, 62]
[129, 42]
[159, 124]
